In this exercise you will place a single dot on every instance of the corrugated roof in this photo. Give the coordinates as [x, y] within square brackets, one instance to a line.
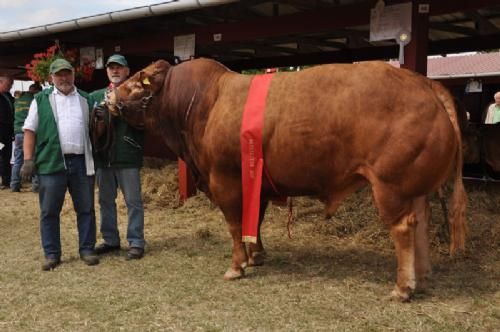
[464, 65]
[470, 65]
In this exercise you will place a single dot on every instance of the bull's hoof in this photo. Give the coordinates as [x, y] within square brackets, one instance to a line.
[422, 286]
[400, 296]
[423, 282]
[257, 258]
[232, 274]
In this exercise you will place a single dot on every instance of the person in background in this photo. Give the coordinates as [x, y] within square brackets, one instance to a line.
[21, 106]
[493, 113]
[6, 128]
[119, 166]
[57, 125]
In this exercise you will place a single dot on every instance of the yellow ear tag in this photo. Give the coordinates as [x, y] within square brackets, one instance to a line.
[146, 81]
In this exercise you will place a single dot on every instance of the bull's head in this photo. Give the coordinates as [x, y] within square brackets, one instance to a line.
[133, 97]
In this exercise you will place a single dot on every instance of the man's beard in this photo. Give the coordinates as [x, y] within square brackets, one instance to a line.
[65, 87]
[116, 80]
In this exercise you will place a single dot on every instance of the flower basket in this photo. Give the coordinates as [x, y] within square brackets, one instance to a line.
[38, 68]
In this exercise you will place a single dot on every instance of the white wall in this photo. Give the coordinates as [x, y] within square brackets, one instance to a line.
[20, 85]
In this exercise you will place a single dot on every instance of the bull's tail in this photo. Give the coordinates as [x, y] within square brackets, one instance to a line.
[458, 201]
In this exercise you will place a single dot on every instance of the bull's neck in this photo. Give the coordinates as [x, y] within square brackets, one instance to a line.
[189, 92]
[191, 110]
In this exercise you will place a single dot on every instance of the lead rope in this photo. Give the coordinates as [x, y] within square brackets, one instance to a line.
[109, 132]
[109, 129]
[190, 106]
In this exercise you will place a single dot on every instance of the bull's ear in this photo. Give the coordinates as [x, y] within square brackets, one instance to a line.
[144, 79]
[162, 66]
[157, 78]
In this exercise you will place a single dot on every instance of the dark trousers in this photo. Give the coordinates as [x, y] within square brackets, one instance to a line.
[5, 155]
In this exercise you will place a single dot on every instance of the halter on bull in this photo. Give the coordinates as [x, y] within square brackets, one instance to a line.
[320, 138]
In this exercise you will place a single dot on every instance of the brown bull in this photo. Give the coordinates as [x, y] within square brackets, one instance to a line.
[328, 131]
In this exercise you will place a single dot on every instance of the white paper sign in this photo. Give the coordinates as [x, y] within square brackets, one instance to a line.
[99, 58]
[388, 21]
[184, 46]
[87, 56]
[474, 86]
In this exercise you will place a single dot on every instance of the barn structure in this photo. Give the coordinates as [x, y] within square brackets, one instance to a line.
[263, 34]
[473, 79]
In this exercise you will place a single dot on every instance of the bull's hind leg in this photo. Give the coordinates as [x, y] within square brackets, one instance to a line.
[398, 214]
[403, 235]
[256, 252]
[422, 261]
[411, 240]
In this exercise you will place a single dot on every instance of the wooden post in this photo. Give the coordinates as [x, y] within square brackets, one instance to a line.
[416, 51]
[187, 187]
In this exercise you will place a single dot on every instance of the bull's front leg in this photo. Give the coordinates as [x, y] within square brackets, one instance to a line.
[226, 193]
[239, 257]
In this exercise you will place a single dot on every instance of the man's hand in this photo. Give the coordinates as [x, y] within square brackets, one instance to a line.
[100, 112]
[27, 170]
[100, 121]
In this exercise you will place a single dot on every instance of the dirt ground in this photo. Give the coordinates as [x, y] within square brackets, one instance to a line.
[331, 275]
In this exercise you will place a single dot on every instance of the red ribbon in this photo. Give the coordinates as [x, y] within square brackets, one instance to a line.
[252, 160]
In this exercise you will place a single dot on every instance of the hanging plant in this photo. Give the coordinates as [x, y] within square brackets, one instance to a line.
[85, 71]
[38, 68]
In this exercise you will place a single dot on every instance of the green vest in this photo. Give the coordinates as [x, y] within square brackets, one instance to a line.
[128, 143]
[21, 106]
[48, 154]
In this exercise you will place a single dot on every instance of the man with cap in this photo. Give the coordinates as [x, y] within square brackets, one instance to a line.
[118, 166]
[493, 111]
[57, 144]
[21, 107]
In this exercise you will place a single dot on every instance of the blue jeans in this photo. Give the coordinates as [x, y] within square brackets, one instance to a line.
[51, 195]
[15, 179]
[129, 181]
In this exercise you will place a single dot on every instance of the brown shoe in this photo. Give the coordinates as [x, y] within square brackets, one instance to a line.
[50, 264]
[89, 259]
[135, 253]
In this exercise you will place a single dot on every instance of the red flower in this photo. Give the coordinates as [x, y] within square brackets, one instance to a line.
[38, 68]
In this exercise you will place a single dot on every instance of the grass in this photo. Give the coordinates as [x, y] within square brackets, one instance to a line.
[332, 275]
